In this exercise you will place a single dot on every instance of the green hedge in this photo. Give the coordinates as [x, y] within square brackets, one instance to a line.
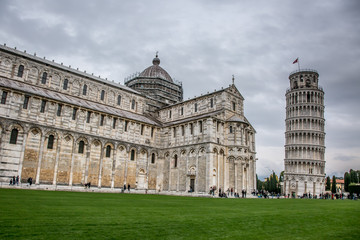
[354, 188]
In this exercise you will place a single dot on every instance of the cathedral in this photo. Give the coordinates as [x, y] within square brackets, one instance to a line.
[65, 128]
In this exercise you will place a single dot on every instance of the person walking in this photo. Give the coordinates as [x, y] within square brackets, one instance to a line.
[128, 187]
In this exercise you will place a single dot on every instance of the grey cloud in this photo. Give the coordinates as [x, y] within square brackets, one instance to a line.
[202, 44]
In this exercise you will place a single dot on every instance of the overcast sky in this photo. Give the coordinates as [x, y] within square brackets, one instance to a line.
[202, 44]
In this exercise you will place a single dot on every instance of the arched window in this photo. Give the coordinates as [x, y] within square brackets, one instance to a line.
[133, 104]
[81, 147]
[153, 158]
[50, 142]
[102, 96]
[200, 126]
[230, 129]
[132, 155]
[13, 136]
[233, 106]
[195, 107]
[85, 89]
[119, 100]
[3, 97]
[175, 161]
[211, 102]
[44, 77]
[108, 151]
[20, 71]
[65, 86]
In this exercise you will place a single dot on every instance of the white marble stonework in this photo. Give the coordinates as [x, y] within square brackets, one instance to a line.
[304, 137]
[64, 128]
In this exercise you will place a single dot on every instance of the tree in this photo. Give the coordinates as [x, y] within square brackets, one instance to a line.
[354, 176]
[346, 181]
[259, 184]
[328, 183]
[333, 186]
[281, 176]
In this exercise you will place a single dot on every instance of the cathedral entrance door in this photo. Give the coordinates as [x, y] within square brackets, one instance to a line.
[192, 184]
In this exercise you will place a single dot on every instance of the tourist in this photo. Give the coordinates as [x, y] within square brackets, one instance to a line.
[17, 180]
[128, 187]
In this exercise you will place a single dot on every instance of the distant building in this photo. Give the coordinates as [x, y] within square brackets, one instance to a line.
[63, 128]
[304, 137]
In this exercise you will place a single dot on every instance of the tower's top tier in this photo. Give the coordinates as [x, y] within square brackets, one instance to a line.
[304, 78]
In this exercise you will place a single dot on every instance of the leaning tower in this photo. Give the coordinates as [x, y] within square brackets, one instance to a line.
[304, 137]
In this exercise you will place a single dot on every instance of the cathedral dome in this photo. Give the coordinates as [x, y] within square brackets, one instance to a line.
[155, 71]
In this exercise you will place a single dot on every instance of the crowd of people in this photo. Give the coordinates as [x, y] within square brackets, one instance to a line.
[14, 180]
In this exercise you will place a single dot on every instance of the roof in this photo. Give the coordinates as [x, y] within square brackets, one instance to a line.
[68, 69]
[155, 71]
[236, 118]
[65, 98]
[194, 118]
[341, 181]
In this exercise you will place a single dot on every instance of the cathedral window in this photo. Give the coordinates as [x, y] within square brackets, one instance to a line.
[50, 142]
[13, 136]
[102, 95]
[20, 71]
[152, 132]
[175, 161]
[169, 113]
[230, 129]
[114, 123]
[126, 126]
[3, 97]
[195, 107]
[182, 111]
[132, 155]
[26, 102]
[174, 130]
[74, 113]
[44, 77]
[142, 129]
[58, 113]
[153, 158]
[81, 147]
[200, 126]
[88, 117]
[43, 105]
[65, 85]
[191, 128]
[233, 106]
[133, 104]
[84, 89]
[102, 120]
[182, 130]
[108, 151]
[211, 102]
[119, 100]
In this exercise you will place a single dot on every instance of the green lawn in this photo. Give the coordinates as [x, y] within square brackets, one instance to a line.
[30, 214]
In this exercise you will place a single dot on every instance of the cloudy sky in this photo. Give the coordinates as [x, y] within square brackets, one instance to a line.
[202, 44]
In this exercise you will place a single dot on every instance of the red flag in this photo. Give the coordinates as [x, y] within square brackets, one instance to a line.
[296, 60]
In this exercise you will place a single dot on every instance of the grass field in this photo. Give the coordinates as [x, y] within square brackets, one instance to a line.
[30, 214]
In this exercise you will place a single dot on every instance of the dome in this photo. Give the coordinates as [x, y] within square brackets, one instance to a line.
[155, 71]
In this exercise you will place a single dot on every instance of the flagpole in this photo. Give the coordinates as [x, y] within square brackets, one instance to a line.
[298, 63]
